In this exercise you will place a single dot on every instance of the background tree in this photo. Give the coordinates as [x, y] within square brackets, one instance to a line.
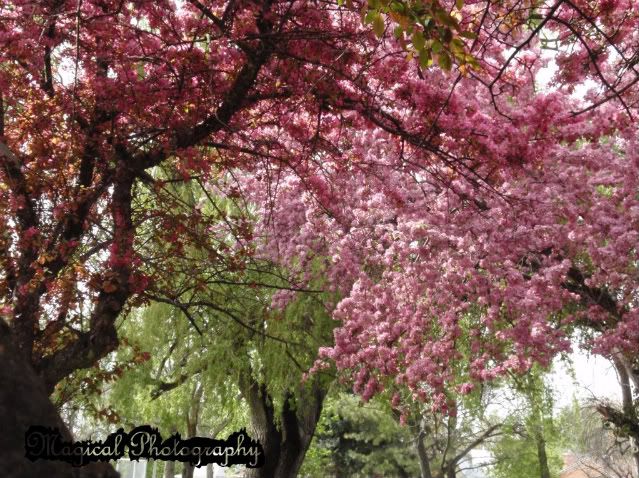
[530, 445]
[239, 324]
[624, 418]
[360, 440]
[593, 445]
[445, 442]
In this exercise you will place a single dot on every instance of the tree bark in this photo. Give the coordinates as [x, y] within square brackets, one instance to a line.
[544, 471]
[285, 438]
[24, 395]
[169, 469]
[192, 421]
[625, 373]
[424, 462]
[24, 402]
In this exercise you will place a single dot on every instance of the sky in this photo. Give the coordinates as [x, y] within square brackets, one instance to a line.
[594, 377]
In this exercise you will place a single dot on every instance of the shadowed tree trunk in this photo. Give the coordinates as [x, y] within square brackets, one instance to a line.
[169, 468]
[24, 402]
[424, 462]
[285, 438]
[544, 470]
[192, 419]
[626, 374]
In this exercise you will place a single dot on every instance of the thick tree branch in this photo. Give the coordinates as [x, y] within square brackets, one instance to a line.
[233, 102]
[488, 433]
[163, 387]
[25, 308]
[102, 336]
[619, 420]
[577, 283]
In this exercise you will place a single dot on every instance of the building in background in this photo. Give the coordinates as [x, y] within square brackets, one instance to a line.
[584, 466]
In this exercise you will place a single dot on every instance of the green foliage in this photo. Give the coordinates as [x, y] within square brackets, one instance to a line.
[579, 424]
[175, 352]
[426, 30]
[529, 432]
[215, 328]
[360, 440]
[516, 454]
[229, 302]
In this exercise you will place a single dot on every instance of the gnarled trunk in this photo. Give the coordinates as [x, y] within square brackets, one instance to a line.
[24, 402]
[627, 376]
[285, 445]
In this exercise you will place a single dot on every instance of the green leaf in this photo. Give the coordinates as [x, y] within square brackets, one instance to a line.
[472, 61]
[397, 7]
[425, 59]
[444, 61]
[370, 17]
[445, 19]
[418, 40]
[378, 25]
[457, 45]
[437, 46]
[140, 71]
[459, 4]
[468, 34]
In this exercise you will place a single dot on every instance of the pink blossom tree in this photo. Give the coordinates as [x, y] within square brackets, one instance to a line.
[523, 230]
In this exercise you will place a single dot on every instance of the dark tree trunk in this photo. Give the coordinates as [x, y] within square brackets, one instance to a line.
[424, 462]
[625, 373]
[284, 447]
[169, 467]
[24, 402]
[544, 471]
